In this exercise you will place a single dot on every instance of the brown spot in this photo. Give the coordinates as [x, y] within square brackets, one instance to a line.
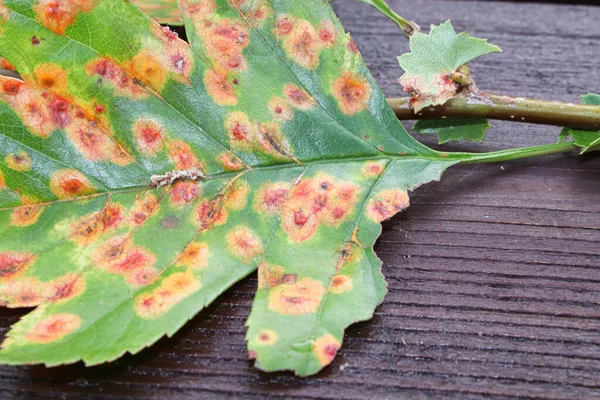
[184, 192]
[65, 287]
[148, 135]
[219, 88]
[243, 243]
[298, 97]
[352, 92]
[19, 161]
[69, 183]
[194, 256]
[289, 279]
[386, 203]
[14, 263]
[60, 111]
[325, 348]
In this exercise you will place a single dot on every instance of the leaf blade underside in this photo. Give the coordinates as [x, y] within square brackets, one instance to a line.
[271, 101]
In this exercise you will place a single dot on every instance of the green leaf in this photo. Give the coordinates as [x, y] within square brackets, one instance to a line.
[587, 140]
[454, 129]
[276, 148]
[434, 59]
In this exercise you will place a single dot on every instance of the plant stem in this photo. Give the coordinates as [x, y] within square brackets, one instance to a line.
[514, 154]
[485, 105]
[408, 27]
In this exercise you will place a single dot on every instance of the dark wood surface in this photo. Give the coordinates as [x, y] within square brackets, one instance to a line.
[494, 273]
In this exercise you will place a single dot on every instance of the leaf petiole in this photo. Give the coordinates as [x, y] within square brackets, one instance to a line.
[514, 154]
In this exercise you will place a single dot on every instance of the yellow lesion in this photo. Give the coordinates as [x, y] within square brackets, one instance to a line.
[194, 256]
[341, 284]
[172, 290]
[266, 337]
[302, 297]
[386, 203]
[325, 349]
[243, 243]
[54, 328]
[20, 161]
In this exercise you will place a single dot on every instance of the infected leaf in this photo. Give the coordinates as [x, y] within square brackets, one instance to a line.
[142, 176]
[432, 74]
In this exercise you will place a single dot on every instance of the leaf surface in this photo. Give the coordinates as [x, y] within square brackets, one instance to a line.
[434, 59]
[295, 157]
[454, 129]
[164, 11]
[587, 140]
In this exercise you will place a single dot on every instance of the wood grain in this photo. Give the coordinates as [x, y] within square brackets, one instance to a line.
[494, 273]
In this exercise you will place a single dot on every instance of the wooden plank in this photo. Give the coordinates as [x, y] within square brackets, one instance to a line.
[494, 273]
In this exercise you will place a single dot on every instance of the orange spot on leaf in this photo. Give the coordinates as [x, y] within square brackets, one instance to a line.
[219, 88]
[243, 243]
[194, 256]
[69, 183]
[302, 297]
[54, 328]
[18, 161]
[148, 135]
[352, 92]
[387, 203]
[325, 349]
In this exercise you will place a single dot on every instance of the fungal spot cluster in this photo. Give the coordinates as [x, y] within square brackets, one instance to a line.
[14, 264]
[54, 328]
[58, 15]
[425, 92]
[107, 71]
[250, 136]
[212, 212]
[194, 256]
[172, 290]
[321, 200]
[31, 291]
[119, 255]
[325, 348]
[89, 228]
[302, 41]
[301, 297]
[386, 203]
[44, 111]
[243, 243]
[352, 92]
[27, 214]
[165, 56]
[70, 183]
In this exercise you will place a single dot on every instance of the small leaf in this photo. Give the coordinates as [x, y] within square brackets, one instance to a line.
[454, 129]
[587, 140]
[434, 59]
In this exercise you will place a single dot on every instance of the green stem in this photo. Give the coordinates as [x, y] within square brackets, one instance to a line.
[408, 27]
[514, 154]
[484, 105]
